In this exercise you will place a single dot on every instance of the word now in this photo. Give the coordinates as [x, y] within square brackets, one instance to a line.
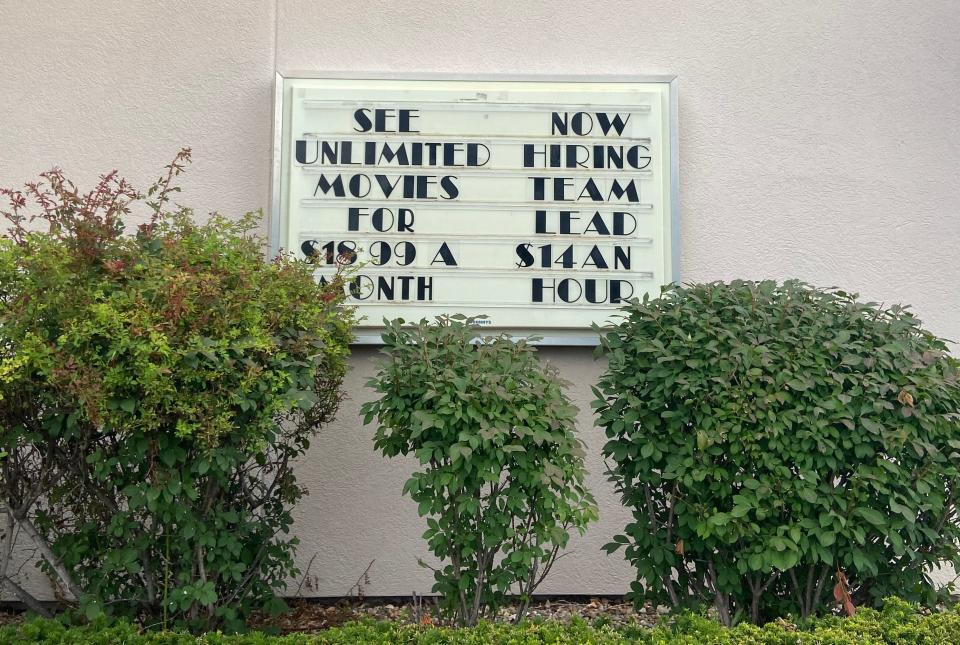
[582, 123]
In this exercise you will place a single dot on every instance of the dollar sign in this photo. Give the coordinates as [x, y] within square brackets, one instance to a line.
[526, 257]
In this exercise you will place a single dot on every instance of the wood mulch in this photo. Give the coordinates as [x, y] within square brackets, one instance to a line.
[10, 616]
[310, 616]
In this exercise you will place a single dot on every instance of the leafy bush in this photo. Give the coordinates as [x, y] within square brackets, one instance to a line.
[502, 478]
[777, 442]
[897, 623]
[154, 389]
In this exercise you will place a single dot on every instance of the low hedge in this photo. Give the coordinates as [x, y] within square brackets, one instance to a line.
[897, 622]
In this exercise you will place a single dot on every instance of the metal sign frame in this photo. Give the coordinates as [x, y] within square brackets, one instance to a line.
[553, 337]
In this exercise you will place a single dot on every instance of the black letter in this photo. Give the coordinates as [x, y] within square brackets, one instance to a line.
[363, 120]
[449, 186]
[445, 255]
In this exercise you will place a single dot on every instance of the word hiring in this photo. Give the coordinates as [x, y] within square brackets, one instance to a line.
[575, 155]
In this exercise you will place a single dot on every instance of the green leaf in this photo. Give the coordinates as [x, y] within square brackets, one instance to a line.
[720, 519]
[908, 514]
[809, 494]
[740, 511]
[874, 517]
[703, 442]
[784, 560]
[92, 609]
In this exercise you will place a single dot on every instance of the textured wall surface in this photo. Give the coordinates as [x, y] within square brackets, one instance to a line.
[818, 140]
[93, 87]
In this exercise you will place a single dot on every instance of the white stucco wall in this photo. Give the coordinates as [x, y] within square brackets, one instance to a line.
[818, 140]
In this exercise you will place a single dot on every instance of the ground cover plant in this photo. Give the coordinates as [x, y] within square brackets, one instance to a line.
[501, 477]
[781, 448]
[155, 386]
[896, 623]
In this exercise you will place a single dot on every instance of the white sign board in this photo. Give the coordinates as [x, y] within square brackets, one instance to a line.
[542, 205]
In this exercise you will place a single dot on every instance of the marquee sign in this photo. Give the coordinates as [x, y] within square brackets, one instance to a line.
[540, 204]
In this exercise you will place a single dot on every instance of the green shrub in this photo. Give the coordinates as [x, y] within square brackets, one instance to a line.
[154, 389]
[897, 623]
[502, 469]
[779, 444]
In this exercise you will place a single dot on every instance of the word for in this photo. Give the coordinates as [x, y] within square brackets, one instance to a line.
[381, 219]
